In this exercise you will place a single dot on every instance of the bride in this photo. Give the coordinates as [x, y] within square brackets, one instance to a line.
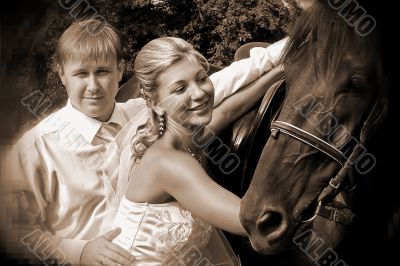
[167, 204]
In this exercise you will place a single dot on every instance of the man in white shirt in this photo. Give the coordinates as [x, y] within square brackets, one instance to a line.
[54, 176]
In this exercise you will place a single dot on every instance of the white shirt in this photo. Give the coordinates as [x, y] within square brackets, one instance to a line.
[54, 178]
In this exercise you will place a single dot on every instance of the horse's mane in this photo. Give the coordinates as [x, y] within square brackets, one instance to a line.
[323, 32]
[326, 32]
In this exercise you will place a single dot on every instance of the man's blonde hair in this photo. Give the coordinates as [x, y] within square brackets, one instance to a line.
[90, 38]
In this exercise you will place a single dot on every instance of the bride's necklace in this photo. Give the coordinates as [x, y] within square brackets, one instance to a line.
[177, 129]
[198, 156]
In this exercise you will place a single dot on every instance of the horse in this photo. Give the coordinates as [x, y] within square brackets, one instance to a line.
[316, 127]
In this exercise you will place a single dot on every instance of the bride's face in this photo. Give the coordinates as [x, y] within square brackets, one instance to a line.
[186, 93]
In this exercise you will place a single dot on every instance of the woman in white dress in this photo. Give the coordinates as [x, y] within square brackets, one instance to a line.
[168, 205]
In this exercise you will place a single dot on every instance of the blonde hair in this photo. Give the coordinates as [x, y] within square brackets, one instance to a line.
[90, 38]
[152, 60]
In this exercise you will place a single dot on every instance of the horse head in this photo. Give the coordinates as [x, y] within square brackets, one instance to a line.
[334, 101]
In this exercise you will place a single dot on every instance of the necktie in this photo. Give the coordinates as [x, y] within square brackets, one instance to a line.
[106, 133]
[105, 136]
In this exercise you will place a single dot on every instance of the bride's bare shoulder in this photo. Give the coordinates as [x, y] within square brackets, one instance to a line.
[164, 159]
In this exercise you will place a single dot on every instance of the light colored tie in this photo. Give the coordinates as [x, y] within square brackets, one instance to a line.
[106, 136]
[106, 133]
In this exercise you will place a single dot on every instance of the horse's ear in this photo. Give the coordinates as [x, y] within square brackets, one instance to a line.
[375, 120]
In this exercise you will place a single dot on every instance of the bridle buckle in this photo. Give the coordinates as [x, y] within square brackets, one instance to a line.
[333, 185]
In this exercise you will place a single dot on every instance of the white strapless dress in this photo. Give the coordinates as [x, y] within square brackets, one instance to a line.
[167, 234]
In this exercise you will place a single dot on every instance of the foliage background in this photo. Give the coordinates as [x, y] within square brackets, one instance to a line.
[215, 27]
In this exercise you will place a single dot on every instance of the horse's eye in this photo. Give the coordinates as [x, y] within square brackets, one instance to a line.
[357, 83]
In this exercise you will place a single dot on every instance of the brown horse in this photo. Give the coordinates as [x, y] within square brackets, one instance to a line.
[301, 193]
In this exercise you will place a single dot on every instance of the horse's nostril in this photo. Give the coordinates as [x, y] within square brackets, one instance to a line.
[268, 222]
[271, 224]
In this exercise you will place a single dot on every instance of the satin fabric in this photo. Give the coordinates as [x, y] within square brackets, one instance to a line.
[167, 234]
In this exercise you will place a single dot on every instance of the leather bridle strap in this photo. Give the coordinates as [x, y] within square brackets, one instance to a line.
[374, 118]
[309, 139]
[343, 216]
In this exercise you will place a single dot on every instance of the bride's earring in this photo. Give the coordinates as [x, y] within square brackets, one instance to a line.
[161, 125]
[161, 122]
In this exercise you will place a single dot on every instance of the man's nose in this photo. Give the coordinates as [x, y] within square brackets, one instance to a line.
[92, 85]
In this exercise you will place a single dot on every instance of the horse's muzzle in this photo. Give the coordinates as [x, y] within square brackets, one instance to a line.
[269, 231]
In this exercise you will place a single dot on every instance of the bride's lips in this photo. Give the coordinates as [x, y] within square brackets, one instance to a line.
[199, 107]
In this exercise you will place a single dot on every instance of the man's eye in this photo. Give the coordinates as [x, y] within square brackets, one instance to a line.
[80, 74]
[103, 71]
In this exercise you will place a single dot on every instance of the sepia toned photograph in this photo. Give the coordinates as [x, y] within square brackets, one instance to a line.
[199, 132]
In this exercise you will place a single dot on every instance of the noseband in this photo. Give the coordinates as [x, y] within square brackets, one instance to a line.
[335, 186]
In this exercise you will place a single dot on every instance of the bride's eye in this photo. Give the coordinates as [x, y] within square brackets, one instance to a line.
[180, 89]
[203, 78]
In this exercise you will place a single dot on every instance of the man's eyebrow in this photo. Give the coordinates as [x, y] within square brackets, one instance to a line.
[104, 67]
[77, 69]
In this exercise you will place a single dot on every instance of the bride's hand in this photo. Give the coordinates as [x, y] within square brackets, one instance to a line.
[101, 251]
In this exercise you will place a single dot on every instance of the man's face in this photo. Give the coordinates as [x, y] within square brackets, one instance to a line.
[92, 85]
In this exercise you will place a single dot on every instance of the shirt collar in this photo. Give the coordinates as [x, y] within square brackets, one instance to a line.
[88, 126]
[117, 116]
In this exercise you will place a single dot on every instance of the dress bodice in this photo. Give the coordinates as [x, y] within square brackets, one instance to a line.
[165, 234]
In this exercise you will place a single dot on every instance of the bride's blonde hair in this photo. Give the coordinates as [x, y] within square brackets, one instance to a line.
[152, 60]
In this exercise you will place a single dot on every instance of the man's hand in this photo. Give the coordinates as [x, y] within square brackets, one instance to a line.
[101, 251]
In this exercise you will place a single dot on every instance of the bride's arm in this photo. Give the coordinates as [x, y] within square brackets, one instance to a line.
[182, 177]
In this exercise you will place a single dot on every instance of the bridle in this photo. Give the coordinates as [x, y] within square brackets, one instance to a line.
[336, 184]
[334, 192]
